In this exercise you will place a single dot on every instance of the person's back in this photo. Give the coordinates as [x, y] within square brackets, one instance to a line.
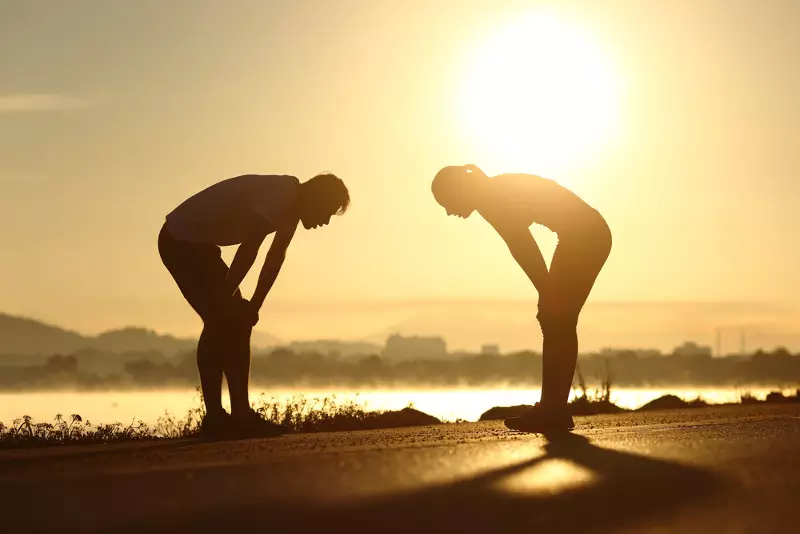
[527, 199]
[226, 212]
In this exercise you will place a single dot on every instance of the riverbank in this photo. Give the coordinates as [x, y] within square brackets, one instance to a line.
[304, 415]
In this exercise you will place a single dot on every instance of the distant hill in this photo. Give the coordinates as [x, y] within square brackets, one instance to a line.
[140, 340]
[23, 336]
[20, 335]
[263, 340]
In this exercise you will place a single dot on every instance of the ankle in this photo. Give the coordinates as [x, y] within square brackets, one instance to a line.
[215, 411]
[555, 408]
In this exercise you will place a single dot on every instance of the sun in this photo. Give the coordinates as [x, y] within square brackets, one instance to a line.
[539, 96]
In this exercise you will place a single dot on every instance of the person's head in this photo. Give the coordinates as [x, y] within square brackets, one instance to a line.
[322, 197]
[456, 189]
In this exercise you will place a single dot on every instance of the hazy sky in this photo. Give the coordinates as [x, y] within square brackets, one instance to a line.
[678, 120]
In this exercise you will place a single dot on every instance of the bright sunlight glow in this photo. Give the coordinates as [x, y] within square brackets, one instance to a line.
[538, 96]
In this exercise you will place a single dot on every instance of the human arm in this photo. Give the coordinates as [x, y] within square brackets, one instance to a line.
[243, 260]
[526, 252]
[273, 262]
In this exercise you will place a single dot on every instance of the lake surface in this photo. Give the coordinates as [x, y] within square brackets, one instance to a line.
[449, 404]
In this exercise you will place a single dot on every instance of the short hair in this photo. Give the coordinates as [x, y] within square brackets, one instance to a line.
[327, 185]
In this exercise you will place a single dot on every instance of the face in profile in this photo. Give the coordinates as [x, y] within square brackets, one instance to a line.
[322, 197]
[317, 214]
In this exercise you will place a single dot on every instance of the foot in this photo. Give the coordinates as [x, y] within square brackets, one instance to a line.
[216, 425]
[250, 424]
[541, 421]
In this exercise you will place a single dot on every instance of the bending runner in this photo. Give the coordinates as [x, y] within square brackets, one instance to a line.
[238, 211]
[511, 203]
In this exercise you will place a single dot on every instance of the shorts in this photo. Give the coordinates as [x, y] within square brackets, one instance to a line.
[199, 271]
[577, 261]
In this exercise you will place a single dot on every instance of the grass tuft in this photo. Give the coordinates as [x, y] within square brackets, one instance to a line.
[298, 413]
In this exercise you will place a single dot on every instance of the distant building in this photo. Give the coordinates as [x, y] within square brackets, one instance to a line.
[693, 350]
[414, 348]
[490, 350]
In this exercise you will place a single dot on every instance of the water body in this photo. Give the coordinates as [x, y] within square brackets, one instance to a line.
[448, 404]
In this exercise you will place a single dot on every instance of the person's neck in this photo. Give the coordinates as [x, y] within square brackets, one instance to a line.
[481, 193]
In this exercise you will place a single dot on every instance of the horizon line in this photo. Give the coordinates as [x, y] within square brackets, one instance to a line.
[373, 305]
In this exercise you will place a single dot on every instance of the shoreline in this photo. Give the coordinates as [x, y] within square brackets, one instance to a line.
[398, 386]
[324, 415]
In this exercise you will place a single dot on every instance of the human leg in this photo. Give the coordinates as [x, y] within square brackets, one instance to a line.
[576, 264]
[246, 422]
[559, 358]
[236, 364]
[199, 272]
[210, 348]
[573, 271]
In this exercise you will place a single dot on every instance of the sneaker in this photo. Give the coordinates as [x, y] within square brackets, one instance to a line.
[216, 426]
[541, 421]
[252, 425]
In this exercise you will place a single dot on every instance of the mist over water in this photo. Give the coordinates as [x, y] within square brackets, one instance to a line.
[448, 404]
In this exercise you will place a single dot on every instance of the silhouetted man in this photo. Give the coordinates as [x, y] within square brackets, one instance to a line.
[511, 203]
[238, 211]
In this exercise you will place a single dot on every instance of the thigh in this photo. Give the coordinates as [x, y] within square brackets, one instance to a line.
[200, 272]
[576, 264]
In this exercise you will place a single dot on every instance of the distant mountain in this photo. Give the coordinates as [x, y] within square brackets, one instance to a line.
[23, 336]
[20, 335]
[133, 339]
[263, 340]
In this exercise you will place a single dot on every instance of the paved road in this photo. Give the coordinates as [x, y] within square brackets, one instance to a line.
[711, 471]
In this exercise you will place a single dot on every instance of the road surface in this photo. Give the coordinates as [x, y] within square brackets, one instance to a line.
[713, 470]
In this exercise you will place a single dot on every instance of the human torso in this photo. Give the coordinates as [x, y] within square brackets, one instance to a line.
[524, 199]
[227, 212]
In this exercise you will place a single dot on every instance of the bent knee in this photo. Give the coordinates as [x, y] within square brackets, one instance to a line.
[555, 322]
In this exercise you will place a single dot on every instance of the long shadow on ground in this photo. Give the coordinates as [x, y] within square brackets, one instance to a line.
[628, 488]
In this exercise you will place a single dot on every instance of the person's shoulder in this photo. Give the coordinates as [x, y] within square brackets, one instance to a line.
[285, 182]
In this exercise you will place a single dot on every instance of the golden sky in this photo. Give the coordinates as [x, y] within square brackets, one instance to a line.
[679, 121]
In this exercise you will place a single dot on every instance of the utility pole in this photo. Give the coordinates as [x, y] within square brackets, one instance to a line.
[719, 342]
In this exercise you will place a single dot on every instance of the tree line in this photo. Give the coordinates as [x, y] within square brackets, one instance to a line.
[283, 367]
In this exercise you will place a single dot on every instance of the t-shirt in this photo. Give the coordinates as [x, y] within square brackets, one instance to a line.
[226, 212]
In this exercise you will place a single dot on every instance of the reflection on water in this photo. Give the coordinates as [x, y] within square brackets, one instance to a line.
[449, 404]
